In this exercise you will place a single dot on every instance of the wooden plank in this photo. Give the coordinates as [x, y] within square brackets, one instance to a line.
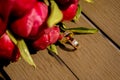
[48, 68]
[95, 59]
[1, 77]
[106, 15]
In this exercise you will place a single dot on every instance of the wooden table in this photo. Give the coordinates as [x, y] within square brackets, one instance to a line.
[97, 58]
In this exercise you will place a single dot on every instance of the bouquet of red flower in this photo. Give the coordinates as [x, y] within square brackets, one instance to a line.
[37, 23]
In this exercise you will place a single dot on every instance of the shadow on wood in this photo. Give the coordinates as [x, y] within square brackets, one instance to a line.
[3, 63]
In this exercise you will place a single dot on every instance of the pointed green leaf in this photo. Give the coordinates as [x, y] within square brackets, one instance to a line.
[78, 13]
[52, 48]
[82, 30]
[11, 37]
[55, 14]
[25, 52]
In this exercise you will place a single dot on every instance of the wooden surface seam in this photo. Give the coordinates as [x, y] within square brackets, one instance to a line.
[97, 58]
[105, 14]
[102, 32]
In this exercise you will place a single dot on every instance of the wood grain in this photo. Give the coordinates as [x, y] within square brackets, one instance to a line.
[95, 59]
[1, 77]
[48, 68]
[106, 15]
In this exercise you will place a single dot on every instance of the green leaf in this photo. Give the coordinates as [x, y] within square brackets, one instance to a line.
[25, 52]
[52, 48]
[11, 37]
[62, 26]
[55, 14]
[82, 30]
[78, 13]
